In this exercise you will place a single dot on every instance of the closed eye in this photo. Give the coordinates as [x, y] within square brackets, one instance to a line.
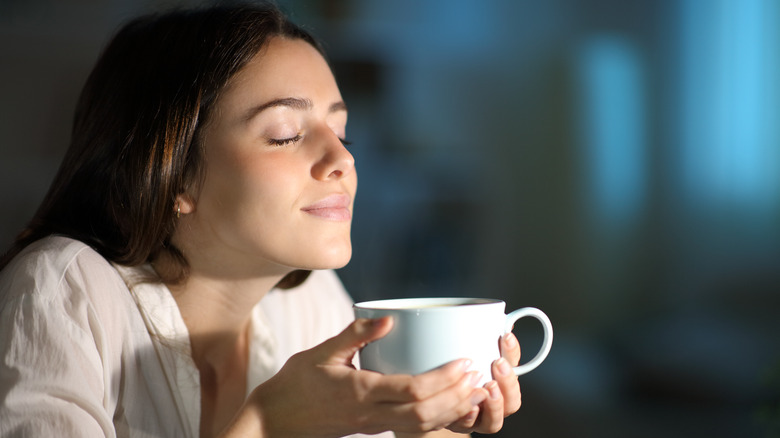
[283, 141]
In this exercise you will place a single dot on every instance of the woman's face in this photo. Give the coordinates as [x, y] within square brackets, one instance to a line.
[279, 184]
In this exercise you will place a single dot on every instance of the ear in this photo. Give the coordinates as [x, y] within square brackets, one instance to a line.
[184, 204]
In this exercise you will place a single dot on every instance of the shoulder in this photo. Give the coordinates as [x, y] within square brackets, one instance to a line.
[62, 270]
[59, 287]
[44, 265]
[68, 331]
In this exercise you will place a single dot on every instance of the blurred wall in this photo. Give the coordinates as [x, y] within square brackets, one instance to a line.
[614, 163]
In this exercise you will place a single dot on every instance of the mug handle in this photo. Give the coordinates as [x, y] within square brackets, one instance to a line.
[548, 336]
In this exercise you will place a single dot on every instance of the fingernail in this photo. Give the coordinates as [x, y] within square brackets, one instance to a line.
[379, 321]
[510, 341]
[503, 367]
[465, 364]
[475, 378]
[492, 388]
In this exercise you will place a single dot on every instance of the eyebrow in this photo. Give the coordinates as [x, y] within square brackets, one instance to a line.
[291, 102]
[337, 106]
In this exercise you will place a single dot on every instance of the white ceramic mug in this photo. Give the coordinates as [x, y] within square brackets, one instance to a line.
[429, 332]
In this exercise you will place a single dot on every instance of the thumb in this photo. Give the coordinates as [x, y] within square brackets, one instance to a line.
[340, 349]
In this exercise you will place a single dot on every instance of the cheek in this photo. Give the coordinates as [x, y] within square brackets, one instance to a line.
[249, 187]
[224, 185]
[269, 192]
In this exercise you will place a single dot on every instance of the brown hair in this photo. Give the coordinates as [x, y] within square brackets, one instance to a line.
[136, 140]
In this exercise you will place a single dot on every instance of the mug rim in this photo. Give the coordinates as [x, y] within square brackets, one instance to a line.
[423, 303]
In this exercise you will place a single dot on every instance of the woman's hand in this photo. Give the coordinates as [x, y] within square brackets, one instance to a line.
[319, 393]
[504, 393]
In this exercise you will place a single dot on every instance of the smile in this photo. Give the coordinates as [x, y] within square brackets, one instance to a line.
[334, 207]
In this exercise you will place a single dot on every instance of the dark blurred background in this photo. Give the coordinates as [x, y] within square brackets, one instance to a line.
[615, 163]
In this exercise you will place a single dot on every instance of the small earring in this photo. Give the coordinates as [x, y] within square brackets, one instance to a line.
[178, 211]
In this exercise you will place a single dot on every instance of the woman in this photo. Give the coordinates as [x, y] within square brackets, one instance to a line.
[161, 289]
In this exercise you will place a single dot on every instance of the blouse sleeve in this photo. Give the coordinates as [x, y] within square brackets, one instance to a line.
[52, 377]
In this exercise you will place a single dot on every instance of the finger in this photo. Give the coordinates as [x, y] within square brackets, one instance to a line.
[507, 383]
[404, 388]
[465, 424]
[491, 417]
[443, 408]
[510, 349]
[340, 349]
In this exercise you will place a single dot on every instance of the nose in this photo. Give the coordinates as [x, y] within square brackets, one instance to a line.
[335, 161]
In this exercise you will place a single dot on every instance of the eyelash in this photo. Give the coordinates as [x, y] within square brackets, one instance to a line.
[286, 141]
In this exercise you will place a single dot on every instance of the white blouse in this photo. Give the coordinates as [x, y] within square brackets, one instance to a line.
[87, 350]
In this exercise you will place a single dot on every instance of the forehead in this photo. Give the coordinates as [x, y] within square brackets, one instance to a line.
[284, 67]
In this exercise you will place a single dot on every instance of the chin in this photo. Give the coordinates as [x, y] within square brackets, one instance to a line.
[334, 258]
[338, 262]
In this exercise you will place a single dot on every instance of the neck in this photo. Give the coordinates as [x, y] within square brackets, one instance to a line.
[217, 309]
[216, 301]
[217, 314]
[218, 317]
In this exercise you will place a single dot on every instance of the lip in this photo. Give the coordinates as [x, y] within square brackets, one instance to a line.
[335, 207]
